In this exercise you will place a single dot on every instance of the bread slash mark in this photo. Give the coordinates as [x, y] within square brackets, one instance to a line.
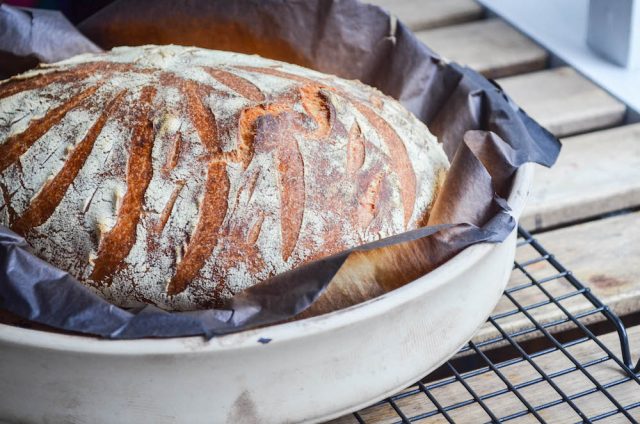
[17, 145]
[116, 244]
[174, 155]
[168, 208]
[289, 162]
[53, 191]
[254, 232]
[368, 199]
[202, 117]
[74, 75]
[355, 150]
[319, 107]
[204, 239]
[292, 190]
[236, 83]
[399, 158]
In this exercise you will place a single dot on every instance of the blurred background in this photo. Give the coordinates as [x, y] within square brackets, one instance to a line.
[74, 10]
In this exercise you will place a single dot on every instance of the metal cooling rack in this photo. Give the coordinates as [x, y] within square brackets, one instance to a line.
[431, 399]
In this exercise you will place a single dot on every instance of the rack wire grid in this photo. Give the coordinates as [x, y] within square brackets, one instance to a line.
[534, 366]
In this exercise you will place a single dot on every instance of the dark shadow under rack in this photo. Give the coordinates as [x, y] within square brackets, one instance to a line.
[490, 358]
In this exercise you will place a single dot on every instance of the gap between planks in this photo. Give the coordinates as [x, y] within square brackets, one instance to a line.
[427, 14]
[537, 394]
[490, 46]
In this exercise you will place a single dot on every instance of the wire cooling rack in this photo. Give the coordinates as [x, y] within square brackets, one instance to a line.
[540, 370]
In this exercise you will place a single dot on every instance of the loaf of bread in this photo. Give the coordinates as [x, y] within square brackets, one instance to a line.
[179, 176]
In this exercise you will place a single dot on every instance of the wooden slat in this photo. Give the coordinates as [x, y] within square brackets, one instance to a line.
[564, 101]
[537, 394]
[426, 14]
[596, 173]
[490, 46]
[602, 254]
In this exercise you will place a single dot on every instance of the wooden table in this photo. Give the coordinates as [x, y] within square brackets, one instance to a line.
[585, 210]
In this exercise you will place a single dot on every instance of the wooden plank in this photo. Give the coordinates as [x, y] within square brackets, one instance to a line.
[564, 101]
[602, 254]
[537, 394]
[596, 173]
[427, 14]
[490, 46]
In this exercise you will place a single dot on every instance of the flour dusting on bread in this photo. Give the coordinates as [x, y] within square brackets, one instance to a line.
[179, 176]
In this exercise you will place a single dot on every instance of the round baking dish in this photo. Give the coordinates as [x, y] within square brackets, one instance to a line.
[309, 370]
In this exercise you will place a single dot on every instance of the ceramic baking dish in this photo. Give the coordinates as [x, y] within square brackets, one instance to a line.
[309, 370]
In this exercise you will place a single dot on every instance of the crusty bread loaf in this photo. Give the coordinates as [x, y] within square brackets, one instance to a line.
[179, 176]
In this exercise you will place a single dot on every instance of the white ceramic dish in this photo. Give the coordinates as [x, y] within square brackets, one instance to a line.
[311, 370]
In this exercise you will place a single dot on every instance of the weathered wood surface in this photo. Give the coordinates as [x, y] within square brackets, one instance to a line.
[603, 255]
[564, 101]
[427, 14]
[537, 394]
[491, 46]
[596, 173]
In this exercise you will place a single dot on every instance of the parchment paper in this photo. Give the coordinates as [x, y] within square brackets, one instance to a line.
[485, 135]
[30, 36]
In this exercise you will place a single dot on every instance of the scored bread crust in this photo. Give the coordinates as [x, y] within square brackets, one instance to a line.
[179, 176]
